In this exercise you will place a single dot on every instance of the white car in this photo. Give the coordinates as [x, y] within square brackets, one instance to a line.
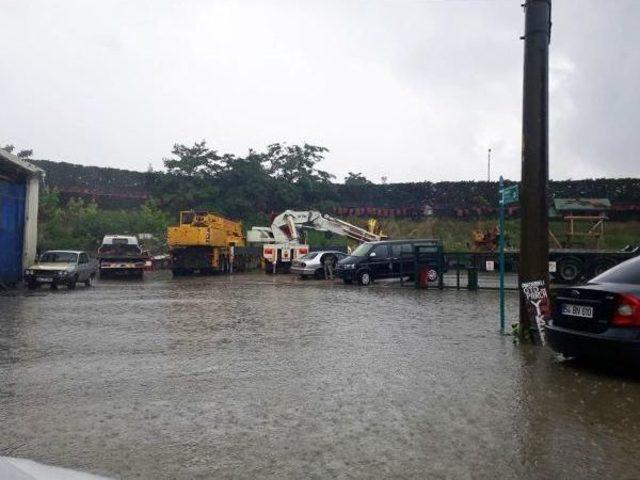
[61, 267]
[312, 264]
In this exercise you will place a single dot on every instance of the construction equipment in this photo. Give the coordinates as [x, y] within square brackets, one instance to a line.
[284, 240]
[204, 243]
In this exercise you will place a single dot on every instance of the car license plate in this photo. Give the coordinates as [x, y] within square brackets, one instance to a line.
[577, 310]
[45, 279]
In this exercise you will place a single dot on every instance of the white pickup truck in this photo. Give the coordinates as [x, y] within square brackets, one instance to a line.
[122, 255]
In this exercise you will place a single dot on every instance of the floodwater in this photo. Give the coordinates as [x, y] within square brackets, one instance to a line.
[254, 376]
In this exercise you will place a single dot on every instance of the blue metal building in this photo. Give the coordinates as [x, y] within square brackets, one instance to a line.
[19, 185]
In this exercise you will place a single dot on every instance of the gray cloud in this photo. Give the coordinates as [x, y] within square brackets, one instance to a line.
[409, 90]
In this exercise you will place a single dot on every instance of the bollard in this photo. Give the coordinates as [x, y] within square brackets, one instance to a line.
[472, 278]
[423, 279]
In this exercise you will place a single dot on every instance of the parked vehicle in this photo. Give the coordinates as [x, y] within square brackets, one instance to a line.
[384, 259]
[62, 267]
[122, 255]
[204, 243]
[284, 241]
[312, 264]
[600, 318]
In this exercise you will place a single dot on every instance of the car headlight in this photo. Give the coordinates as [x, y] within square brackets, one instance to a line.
[28, 272]
[63, 273]
[349, 266]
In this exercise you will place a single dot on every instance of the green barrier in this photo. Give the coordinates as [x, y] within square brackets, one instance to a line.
[472, 275]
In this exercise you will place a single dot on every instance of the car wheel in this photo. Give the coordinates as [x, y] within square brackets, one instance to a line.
[364, 278]
[89, 281]
[72, 283]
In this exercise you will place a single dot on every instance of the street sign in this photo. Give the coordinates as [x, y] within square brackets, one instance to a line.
[509, 194]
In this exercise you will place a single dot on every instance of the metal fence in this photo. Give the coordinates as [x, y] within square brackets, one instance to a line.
[478, 270]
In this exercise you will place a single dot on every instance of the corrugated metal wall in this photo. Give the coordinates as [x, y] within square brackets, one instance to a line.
[12, 202]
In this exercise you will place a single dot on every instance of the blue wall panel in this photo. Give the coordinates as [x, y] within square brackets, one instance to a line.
[12, 198]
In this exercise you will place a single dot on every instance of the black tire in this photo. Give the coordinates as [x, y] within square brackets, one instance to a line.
[89, 281]
[364, 278]
[601, 266]
[569, 270]
[71, 285]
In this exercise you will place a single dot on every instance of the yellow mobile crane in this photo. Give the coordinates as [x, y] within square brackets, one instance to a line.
[203, 242]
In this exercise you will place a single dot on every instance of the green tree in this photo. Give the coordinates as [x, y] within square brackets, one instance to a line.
[195, 161]
[294, 163]
[356, 179]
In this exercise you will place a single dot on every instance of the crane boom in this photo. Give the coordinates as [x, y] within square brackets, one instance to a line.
[286, 228]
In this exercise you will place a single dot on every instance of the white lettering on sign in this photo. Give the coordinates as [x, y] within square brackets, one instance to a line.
[537, 297]
[552, 267]
[490, 266]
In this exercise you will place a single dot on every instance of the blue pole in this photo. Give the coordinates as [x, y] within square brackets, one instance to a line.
[501, 254]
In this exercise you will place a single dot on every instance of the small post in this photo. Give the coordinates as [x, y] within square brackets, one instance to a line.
[501, 202]
[489, 165]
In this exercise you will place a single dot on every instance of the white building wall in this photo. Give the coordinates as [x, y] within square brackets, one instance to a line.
[30, 242]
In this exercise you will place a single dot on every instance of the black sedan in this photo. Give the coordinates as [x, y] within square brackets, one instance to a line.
[601, 318]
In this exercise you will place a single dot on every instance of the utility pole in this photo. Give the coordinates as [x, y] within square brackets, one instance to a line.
[489, 166]
[534, 237]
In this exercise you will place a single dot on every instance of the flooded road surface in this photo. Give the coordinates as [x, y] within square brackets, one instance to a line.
[260, 377]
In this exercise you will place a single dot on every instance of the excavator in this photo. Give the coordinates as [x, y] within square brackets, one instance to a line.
[203, 242]
[284, 241]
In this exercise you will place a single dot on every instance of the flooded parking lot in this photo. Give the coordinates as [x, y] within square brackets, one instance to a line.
[254, 376]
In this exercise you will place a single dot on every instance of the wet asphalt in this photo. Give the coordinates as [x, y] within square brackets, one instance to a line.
[253, 376]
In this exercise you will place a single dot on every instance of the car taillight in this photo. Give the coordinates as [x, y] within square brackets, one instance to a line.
[627, 312]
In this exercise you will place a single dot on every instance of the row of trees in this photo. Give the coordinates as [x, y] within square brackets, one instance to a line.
[81, 224]
[283, 176]
[248, 188]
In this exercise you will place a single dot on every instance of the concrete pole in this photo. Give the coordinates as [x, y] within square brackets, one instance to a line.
[534, 237]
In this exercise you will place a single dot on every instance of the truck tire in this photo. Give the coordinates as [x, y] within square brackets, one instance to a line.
[601, 265]
[364, 278]
[569, 269]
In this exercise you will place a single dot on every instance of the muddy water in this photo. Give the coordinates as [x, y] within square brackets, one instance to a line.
[259, 377]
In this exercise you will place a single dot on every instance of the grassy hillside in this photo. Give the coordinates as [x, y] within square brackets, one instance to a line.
[456, 234]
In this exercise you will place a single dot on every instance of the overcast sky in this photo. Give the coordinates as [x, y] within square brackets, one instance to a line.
[410, 90]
